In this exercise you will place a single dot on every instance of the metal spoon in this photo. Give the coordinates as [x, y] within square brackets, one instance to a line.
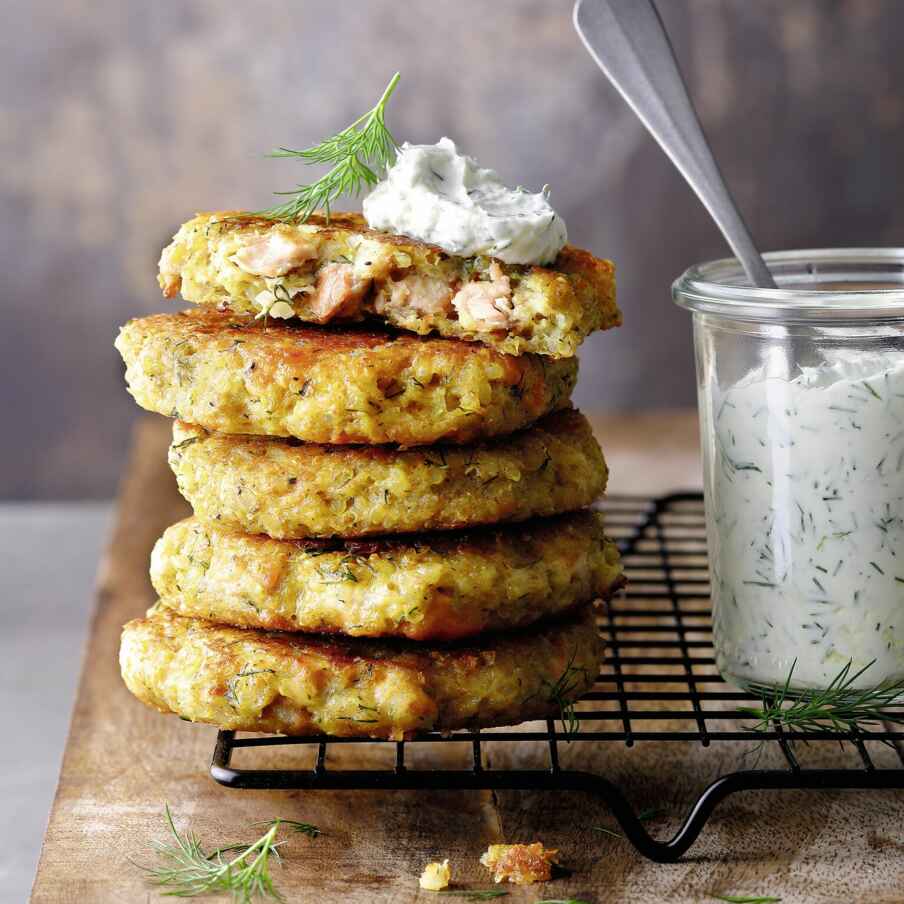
[628, 41]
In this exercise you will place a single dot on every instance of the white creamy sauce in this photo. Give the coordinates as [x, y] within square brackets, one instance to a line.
[807, 538]
[437, 195]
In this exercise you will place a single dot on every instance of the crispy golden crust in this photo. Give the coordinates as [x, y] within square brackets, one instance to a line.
[289, 490]
[299, 685]
[553, 308]
[429, 587]
[239, 375]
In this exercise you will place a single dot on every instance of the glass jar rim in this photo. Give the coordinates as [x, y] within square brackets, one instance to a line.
[720, 287]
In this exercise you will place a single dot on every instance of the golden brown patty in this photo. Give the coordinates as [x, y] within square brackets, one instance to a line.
[428, 587]
[289, 490]
[298, 684]
[241, 375]
[343, 272]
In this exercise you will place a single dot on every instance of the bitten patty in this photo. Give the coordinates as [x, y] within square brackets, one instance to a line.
[342, 271]
[241, 375]
[293, 490]
[303, 685]
[425, 587]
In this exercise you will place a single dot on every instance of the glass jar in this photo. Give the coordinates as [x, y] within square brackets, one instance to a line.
[801, 397]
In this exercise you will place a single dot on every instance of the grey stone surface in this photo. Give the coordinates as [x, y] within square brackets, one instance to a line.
[120, 118]
[50, 554]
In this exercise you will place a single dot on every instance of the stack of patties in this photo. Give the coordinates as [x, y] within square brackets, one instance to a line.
[390, 530]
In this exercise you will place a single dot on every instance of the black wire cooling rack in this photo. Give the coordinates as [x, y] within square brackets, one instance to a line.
[658, 683]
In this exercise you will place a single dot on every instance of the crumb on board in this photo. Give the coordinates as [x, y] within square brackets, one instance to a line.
[522, 864]
[436, 876]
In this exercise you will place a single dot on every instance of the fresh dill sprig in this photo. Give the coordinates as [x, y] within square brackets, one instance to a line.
[359, 155]
[303, 828]
[187, 870]
[231, 848]
[560, 693]
[839, 708]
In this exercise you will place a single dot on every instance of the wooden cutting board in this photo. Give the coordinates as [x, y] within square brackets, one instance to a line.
[123, 762]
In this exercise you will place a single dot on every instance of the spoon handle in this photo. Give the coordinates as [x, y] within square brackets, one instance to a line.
[628, 41]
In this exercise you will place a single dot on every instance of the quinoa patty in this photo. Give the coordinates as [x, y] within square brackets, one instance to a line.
[291, 490]
[241, 375]
[428, 587]
[298, 684]
[342, 271]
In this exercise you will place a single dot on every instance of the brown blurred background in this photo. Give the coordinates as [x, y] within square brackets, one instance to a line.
[120, 118]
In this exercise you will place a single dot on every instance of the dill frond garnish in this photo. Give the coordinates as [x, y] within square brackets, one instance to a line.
[359, 155]
[838, 708]
[560, 692]
[187, 870]
[303, 828]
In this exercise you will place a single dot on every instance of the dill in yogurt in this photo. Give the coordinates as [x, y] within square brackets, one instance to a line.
[806, 530]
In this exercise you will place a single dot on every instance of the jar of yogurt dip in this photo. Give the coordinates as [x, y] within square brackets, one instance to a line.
[801, 396]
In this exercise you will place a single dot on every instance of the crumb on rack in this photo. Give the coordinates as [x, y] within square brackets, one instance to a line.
[522, 864]
[436, 876]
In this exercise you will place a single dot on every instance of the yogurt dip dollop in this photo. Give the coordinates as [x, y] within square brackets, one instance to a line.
[437, 195]
[806, 529]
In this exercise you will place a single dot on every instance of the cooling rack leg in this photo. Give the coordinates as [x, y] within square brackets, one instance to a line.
[754, 780]
[222, 751]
